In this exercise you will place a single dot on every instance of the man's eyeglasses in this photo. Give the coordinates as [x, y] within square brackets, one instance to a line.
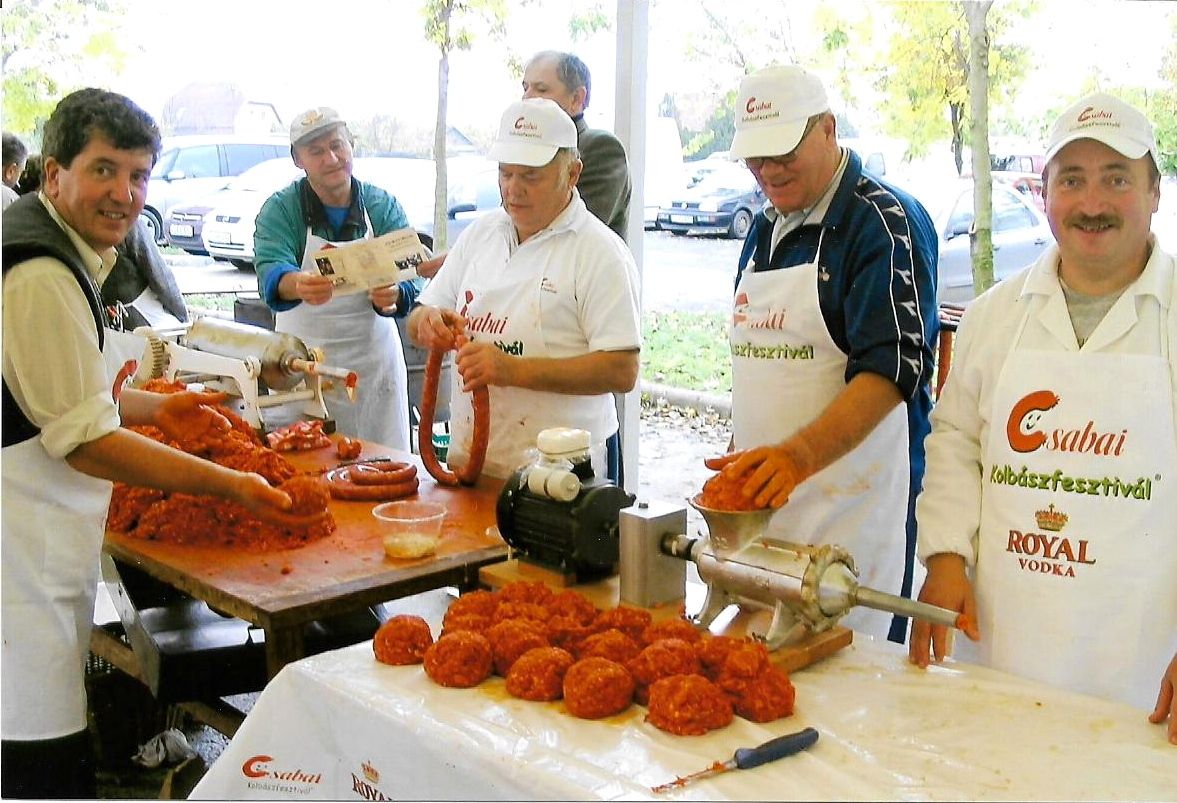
[757, 162]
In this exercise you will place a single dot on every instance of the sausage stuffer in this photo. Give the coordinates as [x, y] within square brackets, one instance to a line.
[230, 356]
[807, 588]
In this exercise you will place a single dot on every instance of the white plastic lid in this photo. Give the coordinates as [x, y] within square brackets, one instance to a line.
[563, 441]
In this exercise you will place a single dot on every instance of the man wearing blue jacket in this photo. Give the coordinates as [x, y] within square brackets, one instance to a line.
[327, 207]
[833, 323]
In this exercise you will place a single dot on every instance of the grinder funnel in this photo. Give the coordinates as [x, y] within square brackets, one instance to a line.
[732, 530]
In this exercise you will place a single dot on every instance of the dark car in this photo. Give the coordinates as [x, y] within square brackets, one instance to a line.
[182, 225]
[723, 202]
[1020, 235]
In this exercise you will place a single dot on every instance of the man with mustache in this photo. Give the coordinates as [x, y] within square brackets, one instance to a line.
[1068, 574]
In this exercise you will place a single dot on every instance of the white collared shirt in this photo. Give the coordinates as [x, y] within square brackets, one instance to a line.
[51, 360]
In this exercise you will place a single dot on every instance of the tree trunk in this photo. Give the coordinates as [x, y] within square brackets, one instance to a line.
[981, 237]
[441, 203]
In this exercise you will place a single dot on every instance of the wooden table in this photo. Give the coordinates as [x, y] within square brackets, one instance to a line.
[281, 591]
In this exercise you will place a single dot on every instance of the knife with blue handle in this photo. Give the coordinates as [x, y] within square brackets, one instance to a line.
[748, 757]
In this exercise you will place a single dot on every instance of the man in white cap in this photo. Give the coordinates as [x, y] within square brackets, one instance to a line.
[832, 331]
[1047, 512]
[546, 294]
[327, 207]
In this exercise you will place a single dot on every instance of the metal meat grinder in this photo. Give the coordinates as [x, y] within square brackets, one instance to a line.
[807, 588]
[233, 357]
[555, 513]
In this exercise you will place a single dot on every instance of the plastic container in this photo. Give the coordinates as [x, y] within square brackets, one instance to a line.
[409, 529]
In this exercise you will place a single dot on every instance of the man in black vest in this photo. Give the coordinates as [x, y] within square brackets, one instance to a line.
[63, 443]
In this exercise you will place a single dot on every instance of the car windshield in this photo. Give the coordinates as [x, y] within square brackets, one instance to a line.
[164, 165]
[726, 182]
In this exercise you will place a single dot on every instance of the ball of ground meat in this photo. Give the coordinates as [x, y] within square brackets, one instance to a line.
[671, 628]
[480, 602]
[630, 621]
[712, 652]
[465, 621]
[744, 662]
[402, 640]
[573, 605]
[525, 591]
[511, 638]
[566, 633]
[597, 687]
[521, 610]
[308, 495]
[611, 644]
[661, 659]
[770, 695]
[688, 705]
[459, 660]
[538, 674]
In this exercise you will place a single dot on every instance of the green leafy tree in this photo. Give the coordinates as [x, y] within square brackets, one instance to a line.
[451, 25]
[51, 47]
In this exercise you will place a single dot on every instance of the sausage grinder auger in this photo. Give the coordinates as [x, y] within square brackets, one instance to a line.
[807, 588]
[229, 356]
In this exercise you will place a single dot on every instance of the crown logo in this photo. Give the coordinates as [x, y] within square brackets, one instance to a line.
[1051, 519]
[313, 116]
[371, 774]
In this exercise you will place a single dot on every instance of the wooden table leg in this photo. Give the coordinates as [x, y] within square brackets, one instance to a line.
[283, 646]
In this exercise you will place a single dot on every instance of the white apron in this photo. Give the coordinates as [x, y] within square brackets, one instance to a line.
[785, 370]
[54, 519]
[506, 311]
[1077, 589]
[353, 336]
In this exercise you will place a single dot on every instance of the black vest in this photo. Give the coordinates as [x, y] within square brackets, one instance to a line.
[29, 232]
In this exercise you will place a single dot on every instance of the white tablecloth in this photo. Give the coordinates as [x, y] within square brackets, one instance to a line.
[341, 726]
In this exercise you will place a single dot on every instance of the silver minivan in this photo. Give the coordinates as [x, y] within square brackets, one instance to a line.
[190, 167]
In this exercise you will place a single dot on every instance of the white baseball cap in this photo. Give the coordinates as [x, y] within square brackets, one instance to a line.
[772, 109]
[531, 131]
[1106, 119]
[313, 122]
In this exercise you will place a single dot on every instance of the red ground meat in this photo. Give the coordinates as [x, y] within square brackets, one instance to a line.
[520, 610]
[538, 674]
[465, 621]
[597, 687]
[611, 644]
[688, 705]
[712, 652]
[662, 659]
[459, 660]
[630, 621]
[308, 495]
[671, 628]
[573, 605]
[478, 602]
[525, 591]
[402, 640]
[770, 695]
[511, 638]
[743, 664]
[566, 633]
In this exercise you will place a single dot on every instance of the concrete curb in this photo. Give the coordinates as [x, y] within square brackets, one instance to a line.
[719, 403]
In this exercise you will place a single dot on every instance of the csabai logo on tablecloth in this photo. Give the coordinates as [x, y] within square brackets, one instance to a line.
[261, 774]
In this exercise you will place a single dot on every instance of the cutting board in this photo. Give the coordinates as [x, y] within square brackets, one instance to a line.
[605, 594]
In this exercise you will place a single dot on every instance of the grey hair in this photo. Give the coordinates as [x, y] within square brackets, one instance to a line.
[572, 72]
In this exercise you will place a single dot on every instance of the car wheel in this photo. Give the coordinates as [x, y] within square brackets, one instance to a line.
[153, 221]
[741, 224]
[241, 264]
[678, 232]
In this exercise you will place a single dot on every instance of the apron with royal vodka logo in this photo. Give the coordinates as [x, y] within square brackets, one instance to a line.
[507, 309]
[353, 336]
[54, 519]
[785, 370]
[1077, 548]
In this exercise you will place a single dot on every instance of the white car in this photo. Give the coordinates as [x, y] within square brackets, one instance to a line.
[228, 228]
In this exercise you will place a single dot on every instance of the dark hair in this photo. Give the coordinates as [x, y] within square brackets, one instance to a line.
[572, 72]
[30, 179]
[83, 114]
[14, 150]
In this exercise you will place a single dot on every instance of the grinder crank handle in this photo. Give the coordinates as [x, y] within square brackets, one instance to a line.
[780, 747]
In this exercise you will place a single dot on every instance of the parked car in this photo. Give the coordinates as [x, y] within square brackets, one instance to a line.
[229, 227]
[191, 167]
[723, 202]
[1020, 234]
[182, 225]
[1028, 184]
[227, 232]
